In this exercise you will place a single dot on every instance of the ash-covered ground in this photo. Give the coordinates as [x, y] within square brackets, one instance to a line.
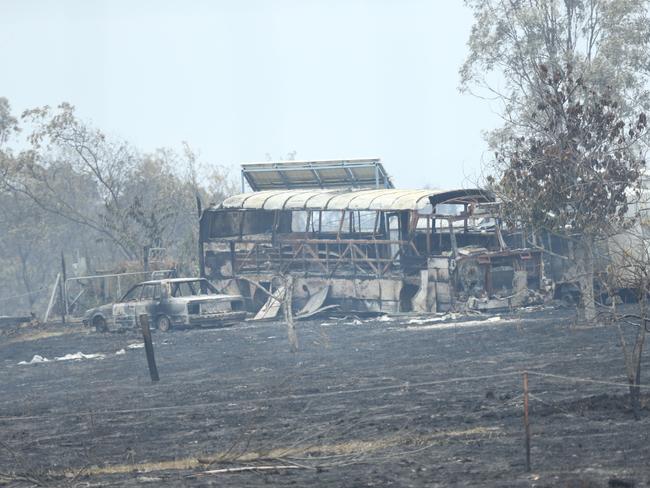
[388, 401]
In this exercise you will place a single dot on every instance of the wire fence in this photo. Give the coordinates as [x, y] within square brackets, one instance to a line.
[299, 449]
[313, 396]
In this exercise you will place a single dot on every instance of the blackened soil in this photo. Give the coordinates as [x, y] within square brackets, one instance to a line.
[363, 403]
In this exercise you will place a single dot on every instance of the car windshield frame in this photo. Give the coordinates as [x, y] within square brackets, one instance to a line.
[135, 288]
[154, 295]
[197, 287]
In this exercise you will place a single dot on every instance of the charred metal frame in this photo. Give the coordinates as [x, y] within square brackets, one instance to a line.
[408, 259]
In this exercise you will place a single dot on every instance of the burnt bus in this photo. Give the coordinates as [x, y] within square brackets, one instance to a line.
[368, 250]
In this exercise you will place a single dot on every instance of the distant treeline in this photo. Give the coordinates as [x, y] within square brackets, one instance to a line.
[67, 187]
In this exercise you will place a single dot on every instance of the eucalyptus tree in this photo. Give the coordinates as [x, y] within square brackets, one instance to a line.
[571, 81]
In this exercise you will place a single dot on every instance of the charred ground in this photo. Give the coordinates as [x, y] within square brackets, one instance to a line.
[363, 403]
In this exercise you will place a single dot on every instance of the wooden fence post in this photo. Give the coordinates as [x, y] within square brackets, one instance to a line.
[148, 347]
[526, 423]
[50, 304]
[288, 313]
[62, 290]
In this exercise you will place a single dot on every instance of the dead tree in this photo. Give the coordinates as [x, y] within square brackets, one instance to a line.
[571, 175]
[288, 313]
[286, 297]
[630, 270]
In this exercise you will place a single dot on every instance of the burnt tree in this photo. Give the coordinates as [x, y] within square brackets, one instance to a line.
[575, 175]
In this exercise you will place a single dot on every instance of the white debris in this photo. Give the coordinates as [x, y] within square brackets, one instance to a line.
[137, 345]
[68, 357]
[384, 318]
[148, 479]
[428, 320]
[120, 352]
[450, 325]
[354, 322]
[79, 355]
[36, 360]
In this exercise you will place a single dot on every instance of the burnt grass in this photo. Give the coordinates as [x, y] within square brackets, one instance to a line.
[362, 403]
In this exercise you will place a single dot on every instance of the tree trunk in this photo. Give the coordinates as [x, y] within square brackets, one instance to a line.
[288, 313]
[25, 278]
[585, 258]
[635, 391]
[637, 354]
[633, 360]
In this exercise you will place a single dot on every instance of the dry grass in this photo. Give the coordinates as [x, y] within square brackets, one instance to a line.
[352, 448]
[26, 334]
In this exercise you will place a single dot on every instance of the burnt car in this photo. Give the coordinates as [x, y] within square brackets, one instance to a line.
[169, 303]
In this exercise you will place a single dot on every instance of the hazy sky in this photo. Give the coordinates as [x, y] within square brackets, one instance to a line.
[242, 79]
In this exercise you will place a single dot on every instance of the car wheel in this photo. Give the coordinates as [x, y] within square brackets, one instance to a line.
[163, 323]
[100, 324]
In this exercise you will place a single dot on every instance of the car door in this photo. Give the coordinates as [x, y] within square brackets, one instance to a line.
[149, 301]
[124, 311]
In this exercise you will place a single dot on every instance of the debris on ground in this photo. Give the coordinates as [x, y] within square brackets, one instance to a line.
[37, 359]
[79, 355]
[445, 324]
[384, 318]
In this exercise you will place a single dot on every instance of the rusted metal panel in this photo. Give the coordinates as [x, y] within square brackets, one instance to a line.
[438, 263]
[408, 200]
[384, 199]
[279, 200]
[414, 201]
[320, 200]
[341, 201]
[359, 200]
[307, 199]
[258, 200]
[236, 201]
[381, 200]
[315, 304]
[272, 306]
[419, 300]
[368, 294]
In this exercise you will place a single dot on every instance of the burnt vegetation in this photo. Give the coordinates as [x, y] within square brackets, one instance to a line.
[347, 333]
[71, 188]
